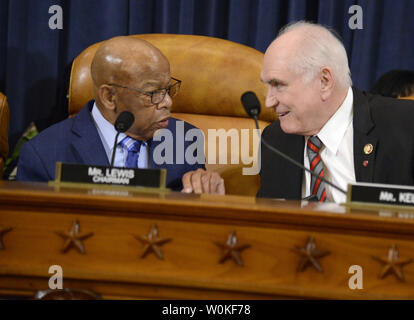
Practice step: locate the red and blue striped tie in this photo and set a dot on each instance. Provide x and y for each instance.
(317, 185)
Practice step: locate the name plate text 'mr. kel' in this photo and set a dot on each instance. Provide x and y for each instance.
(381, 194)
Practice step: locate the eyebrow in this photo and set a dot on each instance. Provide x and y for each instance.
(275, 82)
(154, 84)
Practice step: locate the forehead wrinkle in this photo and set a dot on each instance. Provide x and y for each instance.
(145, 75)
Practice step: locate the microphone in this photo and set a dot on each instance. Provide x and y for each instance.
(122, 124)
(251, 104)
(252, 107)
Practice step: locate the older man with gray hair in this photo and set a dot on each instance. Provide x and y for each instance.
(339, 132)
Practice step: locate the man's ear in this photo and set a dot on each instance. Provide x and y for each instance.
(107, 96)
(327, 82)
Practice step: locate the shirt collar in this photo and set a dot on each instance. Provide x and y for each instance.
(106, 128)
(334, 130)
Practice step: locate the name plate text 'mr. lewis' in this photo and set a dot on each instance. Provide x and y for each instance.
(81, 173)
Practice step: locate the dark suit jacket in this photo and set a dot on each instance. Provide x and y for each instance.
(386, 123)
(76, 140)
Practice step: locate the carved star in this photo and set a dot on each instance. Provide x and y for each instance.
(310, 255)
(152, 243)
(393, 264)
(2, 233)
(73, 237)
(231, 249)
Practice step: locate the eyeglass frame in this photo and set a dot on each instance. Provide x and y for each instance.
(151, 93)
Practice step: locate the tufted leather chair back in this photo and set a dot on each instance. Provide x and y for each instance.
(214, 74)
(4, 130)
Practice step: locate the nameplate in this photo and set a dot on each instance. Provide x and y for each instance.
(102, 175)
(381, 194)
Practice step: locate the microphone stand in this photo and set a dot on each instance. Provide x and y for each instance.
(113, 150)
(254, 116)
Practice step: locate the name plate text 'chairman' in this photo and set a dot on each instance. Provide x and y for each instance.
(90, 174)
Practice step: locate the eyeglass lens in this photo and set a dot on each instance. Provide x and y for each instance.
(158, 96)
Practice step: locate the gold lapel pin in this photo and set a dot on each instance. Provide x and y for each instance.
(368, 148)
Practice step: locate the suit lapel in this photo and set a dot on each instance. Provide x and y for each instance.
(296, 153)
(155, 143)
(86, 142)
(288, 177)
(365, 145)
(152, 145)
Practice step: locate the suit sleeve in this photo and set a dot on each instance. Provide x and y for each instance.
(30, 166)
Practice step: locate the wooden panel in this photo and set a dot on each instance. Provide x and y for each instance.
(112, 265)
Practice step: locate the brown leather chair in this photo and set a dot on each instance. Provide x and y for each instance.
(214, 74)
(4, 131)
(66, 294)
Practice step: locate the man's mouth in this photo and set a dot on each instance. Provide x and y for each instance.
(283, 114)
(163, 123)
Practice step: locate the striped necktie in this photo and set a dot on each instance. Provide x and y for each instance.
(132, 146)
(317, 185)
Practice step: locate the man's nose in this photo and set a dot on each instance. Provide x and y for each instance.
(271, 99)
(166, 102)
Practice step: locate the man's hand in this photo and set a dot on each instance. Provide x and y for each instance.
(202, 181)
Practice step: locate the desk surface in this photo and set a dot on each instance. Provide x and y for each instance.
(237, 209)
(274, 230)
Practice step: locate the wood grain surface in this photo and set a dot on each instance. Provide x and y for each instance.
(112, 265)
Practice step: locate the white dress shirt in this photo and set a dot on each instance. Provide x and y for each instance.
(107, 133)
(337, 153)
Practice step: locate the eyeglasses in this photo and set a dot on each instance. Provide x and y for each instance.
(157, 96)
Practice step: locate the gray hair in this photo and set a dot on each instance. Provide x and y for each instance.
(320, 47)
